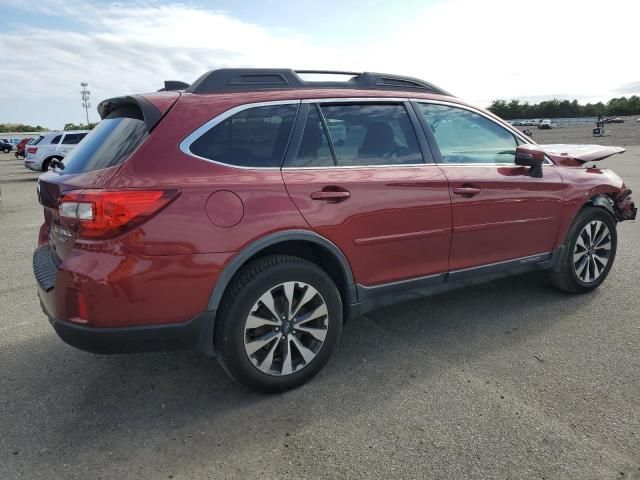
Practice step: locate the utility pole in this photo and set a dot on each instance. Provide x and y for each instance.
(86, 102)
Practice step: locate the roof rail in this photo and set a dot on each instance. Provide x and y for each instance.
(238, 79)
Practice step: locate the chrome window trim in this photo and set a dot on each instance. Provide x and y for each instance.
(487, 165)
(356, 100)
(395, 165)
(185, 144)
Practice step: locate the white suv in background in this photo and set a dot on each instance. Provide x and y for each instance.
(51, 146)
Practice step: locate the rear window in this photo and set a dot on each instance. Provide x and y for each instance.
(255, 137)
(110, 143)
(37, 140)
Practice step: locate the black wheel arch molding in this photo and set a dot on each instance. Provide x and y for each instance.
(263, 243)
(602, 200)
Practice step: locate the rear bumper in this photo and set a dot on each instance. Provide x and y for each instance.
(32, 165)
(196, 334)
(117, 320)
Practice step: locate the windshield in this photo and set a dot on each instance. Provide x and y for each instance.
(110, 143)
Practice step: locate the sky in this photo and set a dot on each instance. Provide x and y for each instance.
(478, 50)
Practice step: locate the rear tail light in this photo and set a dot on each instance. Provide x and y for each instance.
(101, 214)
(32, 149)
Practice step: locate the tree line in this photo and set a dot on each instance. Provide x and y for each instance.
(79, 126)
(20, 127)
(565, 108)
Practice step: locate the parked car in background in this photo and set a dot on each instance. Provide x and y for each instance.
(50, 147)
(614, 120)
(546, 125)
(226, 218)
(5, 145)
(20, 148)
(516, 123)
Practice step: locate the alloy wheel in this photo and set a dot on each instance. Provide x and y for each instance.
(286, 328)
(592, 251)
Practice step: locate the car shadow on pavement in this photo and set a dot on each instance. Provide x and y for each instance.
(62, 404)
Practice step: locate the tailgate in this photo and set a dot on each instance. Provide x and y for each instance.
(126, 123)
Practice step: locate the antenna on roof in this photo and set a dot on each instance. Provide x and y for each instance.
(172, 85)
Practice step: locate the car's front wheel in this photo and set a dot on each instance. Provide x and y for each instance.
(278, 324)
(589, 252)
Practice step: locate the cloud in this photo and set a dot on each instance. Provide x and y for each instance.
(505, 49)
(477, 50)
(121, 51)
(630, 88)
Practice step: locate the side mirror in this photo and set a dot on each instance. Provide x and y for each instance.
(531, 156)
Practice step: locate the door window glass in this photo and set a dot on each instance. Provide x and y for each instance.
(56, 140)
(467, 137)
(372, 134)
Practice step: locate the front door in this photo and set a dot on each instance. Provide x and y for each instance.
(359, 179)
(500, 212)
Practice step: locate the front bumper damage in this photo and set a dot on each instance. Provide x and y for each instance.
(623, 206)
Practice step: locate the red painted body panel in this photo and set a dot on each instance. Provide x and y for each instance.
(162, 100)
(583, 184)
(123, 288)
(395, 225)
(512, 216)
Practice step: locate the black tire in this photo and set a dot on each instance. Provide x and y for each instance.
(564, 276)
(250, 283)
(6, 150)
(47, 163)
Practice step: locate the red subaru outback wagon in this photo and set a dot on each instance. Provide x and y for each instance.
(248, 215)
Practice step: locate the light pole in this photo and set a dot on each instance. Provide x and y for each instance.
(86, 102)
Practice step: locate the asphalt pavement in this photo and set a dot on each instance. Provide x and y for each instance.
(508, 380)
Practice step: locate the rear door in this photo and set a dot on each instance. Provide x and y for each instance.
(356, 172)
(500, 212)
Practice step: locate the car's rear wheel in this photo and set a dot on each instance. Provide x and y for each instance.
(589, 252)
(278, 324)
(47, 163)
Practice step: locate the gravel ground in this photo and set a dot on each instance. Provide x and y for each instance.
(507, 380)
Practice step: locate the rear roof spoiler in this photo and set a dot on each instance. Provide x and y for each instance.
(150, 113)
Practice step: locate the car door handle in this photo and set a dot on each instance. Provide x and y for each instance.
(466, 191)
(331, 196)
